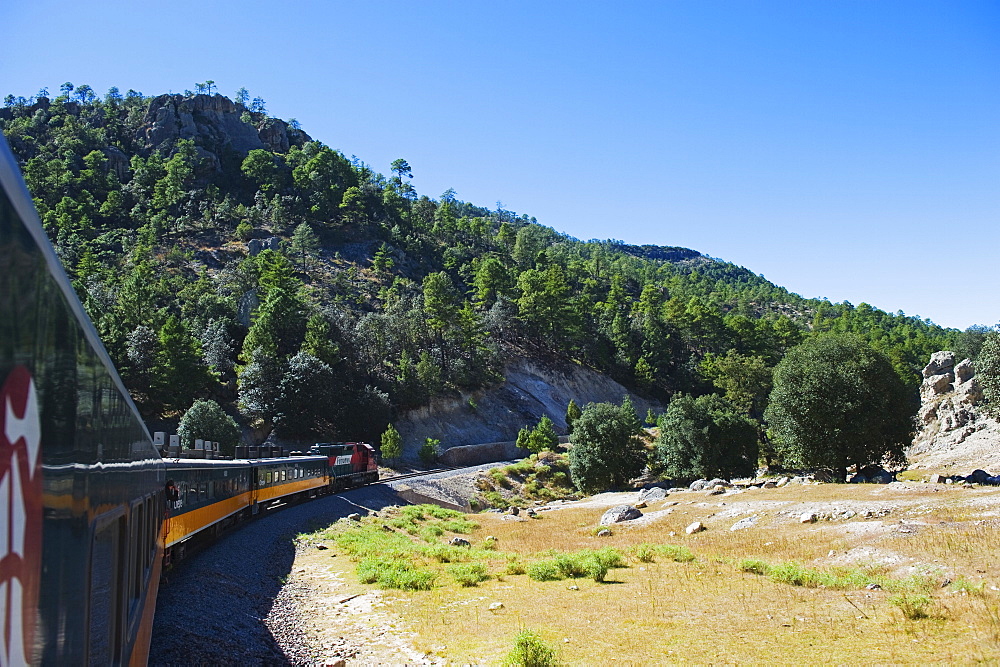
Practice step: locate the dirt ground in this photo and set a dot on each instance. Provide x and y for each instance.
(347, 621)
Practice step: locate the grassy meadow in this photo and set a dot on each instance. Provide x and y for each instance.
(919, 585)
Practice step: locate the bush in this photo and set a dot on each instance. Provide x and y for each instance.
(913, 605)
(544, 570)
(530, 650)
(468, 574)
(394, 573)
(429, 451)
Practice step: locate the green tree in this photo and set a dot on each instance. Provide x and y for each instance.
(429, 451)
(572, 414)
(307, 404)
(541, 438)
(705, 437)
(178, 373)
(401, 168)
(745, 379)
(606, 451)
(205, 420)
(392, 444)
(304, 244)
(988, 372)
(260, 169)
(837, 401)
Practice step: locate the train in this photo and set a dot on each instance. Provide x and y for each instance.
(90, 510)
(206, 496)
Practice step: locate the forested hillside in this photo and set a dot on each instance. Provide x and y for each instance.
(225, 254)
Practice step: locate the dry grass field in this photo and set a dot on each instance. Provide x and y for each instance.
(905, 573)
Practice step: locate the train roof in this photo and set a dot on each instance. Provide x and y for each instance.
(238, 463)
(17, 193)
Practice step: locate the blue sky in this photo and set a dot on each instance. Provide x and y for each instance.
(847, 150)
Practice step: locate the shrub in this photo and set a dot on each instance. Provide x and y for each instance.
(394, 573)
(530, 650)
(544, 570)
(644, 553)
(754, 566)
(676, 553)
(429, 451)
(468, 574)
(913, 605)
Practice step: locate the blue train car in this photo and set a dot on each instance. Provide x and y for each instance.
(81, 486)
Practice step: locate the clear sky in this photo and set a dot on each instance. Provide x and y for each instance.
(847, 150)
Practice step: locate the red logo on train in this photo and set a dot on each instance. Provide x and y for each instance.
(20, 516)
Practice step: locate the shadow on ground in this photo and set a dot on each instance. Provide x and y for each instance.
(211, 607)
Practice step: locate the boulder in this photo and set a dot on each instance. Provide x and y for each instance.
(514, 510)
(354, 517)
(940, 363)
(459, 542)
(808, 517)
(876, 474)
(620, 513)
(964, 371)
(695, 527)
(858, 479)
(937, 384)
(604, 533)
(649, 495)
(718, 482)
(936, 478)
(698, 485)
(769, 485)
(782, 481)
(496, 606)
(745, 522)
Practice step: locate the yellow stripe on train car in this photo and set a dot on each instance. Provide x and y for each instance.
(187, 524)
(288, 488)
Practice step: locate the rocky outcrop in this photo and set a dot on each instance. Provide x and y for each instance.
(531, 389)
(954, 432)
(216, 124)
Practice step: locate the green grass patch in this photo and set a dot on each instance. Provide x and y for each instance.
(576, 565)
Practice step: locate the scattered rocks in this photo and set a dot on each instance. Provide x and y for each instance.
(620, 513)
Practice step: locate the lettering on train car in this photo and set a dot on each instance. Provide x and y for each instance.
(21, 516)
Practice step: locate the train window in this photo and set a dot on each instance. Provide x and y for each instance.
(282, 475)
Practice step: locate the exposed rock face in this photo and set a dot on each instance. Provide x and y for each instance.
(531, 389)
(954, 433)
(214, 123)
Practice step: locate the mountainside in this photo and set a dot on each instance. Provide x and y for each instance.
(225, 254)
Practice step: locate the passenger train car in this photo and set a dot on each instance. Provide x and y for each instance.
(206, 496)
(81, 486)
(89, 511)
